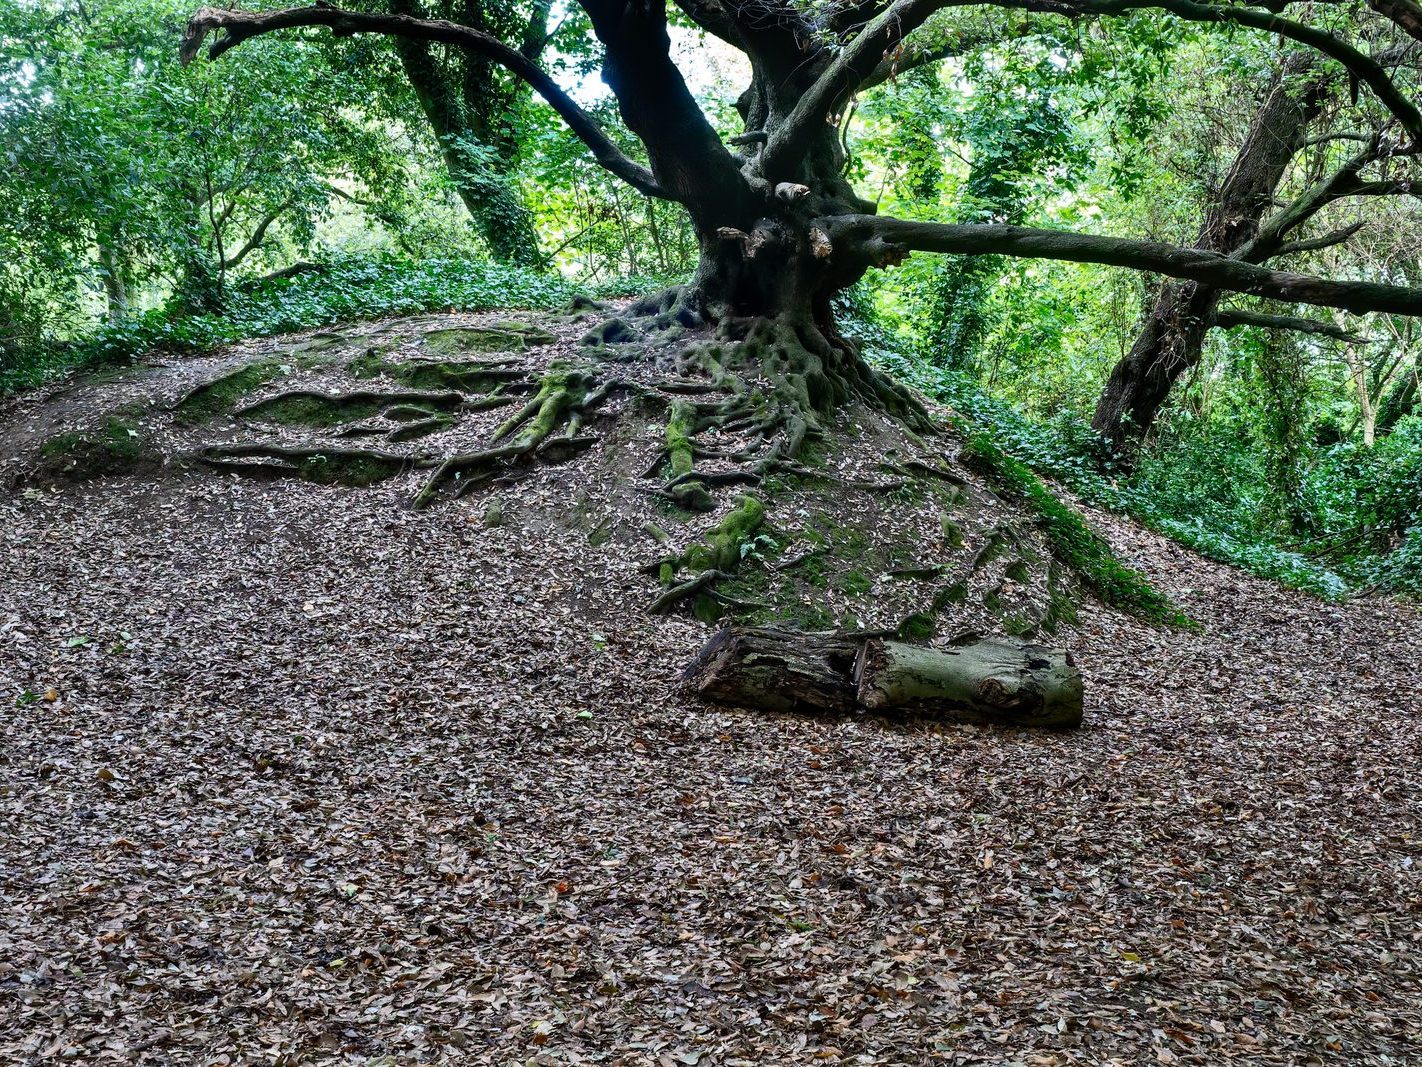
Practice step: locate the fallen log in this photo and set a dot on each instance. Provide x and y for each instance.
(997, 680)
(993, 680)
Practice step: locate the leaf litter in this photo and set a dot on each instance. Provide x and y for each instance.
(293, 774)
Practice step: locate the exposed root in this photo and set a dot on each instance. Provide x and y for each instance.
(463, 375)
(677, 593)
(332, 409)
(324, 464)
(411, 431)
(849, 483)
(715, 556)
(780, 381)
(545, 428)
(505, 336)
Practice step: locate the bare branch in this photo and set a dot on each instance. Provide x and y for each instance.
(233, 27)
(1232, 318)
(1313, 244)
(914, 54)
(887, 241)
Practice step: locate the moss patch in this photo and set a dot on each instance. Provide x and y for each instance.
(461, 340)
(356, 471)
(1072, 540)
(221, 395)
(118, 447)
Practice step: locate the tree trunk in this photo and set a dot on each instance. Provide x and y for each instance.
(1172, 337)
(486, 189)
(776, 670)
(1367, 410)
(1001, 681)
(114, 276)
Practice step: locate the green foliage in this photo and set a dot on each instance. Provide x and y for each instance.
(349, 290)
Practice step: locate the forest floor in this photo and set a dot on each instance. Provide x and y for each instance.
(291, 773)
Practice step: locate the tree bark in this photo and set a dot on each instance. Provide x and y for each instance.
(463, 113)
(996, 680)
(113, 272)
(1172, 337)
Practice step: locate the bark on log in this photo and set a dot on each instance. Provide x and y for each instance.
(776, 670)
(996, 680)
(1010, 683)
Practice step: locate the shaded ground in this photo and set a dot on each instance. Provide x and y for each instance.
(292, 773)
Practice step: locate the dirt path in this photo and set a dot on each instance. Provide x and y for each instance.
(291, 773)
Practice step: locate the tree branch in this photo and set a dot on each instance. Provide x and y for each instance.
(234, 27)
(915, 54)
(885, 241)
(255, 240)
(1342, 182)
(1313, 244)
(855, 62)
(1230, 319)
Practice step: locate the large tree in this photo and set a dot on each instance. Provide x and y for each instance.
(1251, 216)
(780, 228)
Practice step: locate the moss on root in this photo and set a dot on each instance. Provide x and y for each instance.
(222, 394)
(1074, 543)
(545, 428)
(323, 465)
(505, 335)
(463, 375)
(310, 408)
(417, 428)
(685, 490)
(721, 548)
(717, 555)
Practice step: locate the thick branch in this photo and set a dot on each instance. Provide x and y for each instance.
(856, 61)
(238, 26)
(1229, 320)
(687, 155)
(886, 240)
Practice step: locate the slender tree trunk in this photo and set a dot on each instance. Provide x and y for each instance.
(114, 274)
(1173, 333)
(1358, 370)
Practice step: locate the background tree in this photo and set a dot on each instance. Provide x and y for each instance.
(476, 111)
